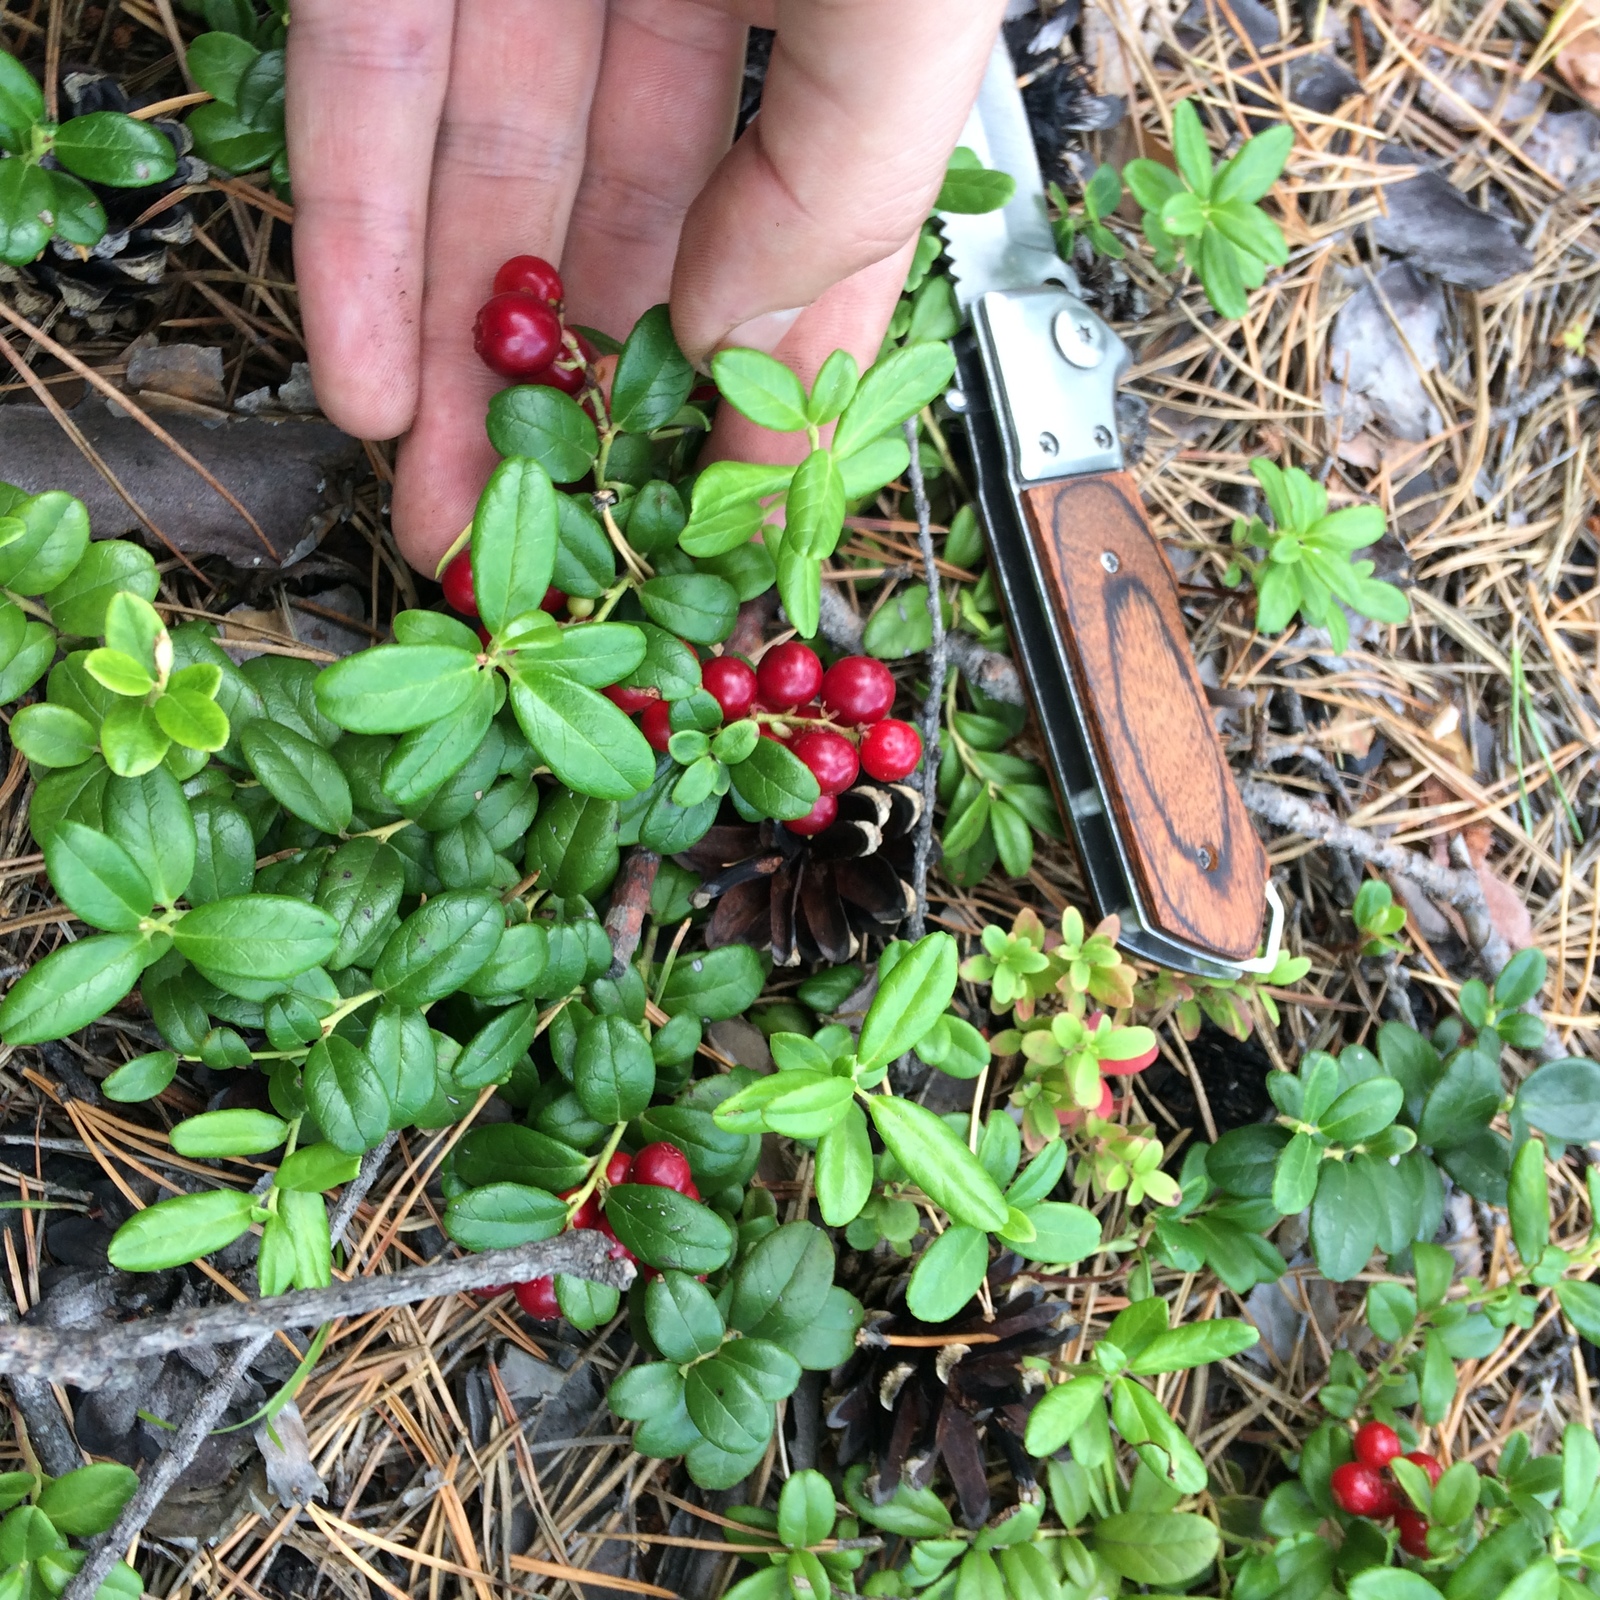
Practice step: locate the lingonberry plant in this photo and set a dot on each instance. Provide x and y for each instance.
(1308, 566)
(42, 1515)
(38, 202)
(374, 893)
(375, 884)
(1208, 215)
(239, 62)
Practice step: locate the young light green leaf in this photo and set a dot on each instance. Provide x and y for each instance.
(143, 1078)
(183, 1229)
(949, 1273)
(895, 388)
(762, 389)
(239, 1132)
(815, 507)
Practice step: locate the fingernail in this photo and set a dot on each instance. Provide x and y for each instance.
(764, 333)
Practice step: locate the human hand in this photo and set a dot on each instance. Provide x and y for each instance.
(431, 141)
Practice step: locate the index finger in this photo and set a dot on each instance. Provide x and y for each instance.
(366, 85)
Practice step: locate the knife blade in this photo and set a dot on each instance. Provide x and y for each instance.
(1140, 774)
(1013, 248)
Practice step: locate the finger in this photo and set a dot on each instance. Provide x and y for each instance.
(663, 117)
(852, 316)
(366, 82)
(863, 103)
(509, 158)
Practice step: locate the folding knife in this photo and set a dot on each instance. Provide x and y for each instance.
(1162, 834)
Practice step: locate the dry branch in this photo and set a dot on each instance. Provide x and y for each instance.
(89, 1360)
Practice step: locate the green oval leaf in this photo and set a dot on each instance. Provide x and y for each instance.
(180, 1230)
(938, 1162)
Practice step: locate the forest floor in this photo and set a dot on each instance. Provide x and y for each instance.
(1433, 355)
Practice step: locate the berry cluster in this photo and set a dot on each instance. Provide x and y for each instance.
(520, 333)
(662, 1165)
(790, 686)
(855, 692)
(1365, 1488)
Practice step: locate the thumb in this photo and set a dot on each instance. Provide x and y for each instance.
(862, 106)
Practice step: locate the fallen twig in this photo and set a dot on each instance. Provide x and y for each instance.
(630, 904)
(210, 1405)
(1459, 887)
(90, 1359)
(933, 704)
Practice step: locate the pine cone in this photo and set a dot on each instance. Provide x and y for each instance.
(905, 1407)
(816, 898)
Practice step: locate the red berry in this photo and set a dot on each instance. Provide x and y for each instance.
(517, 335)
(457, 585)
(569, 380)
(485, 638)
(490, 1291)
(665, 1166)
(553, 600)
(1377, 1444)
(820, 816)
(618, 1251)
(890, 750)
(831, 758)
(618, 1167)
(538, 1298)
(789, 675)
(632, 701)
(1358, 1489)
(588, 1214)
(731, 683)
(531, 275)
(655, 724)
(1413, 1528)
(858, 690)
(1432, 1465)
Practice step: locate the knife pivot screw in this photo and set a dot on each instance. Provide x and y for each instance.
(955, 401)
(1049, 445)
(1108, 560)
(1102, 436)
(1078, 337)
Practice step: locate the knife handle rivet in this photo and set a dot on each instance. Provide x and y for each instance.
(1203, 856)
(955, 401)
(1108, 560)
(1048, 444)
(1102, 437)
(1077, 338)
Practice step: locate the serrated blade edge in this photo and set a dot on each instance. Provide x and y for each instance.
(1012, 248)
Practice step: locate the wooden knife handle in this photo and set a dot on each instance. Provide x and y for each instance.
(1199, 866)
